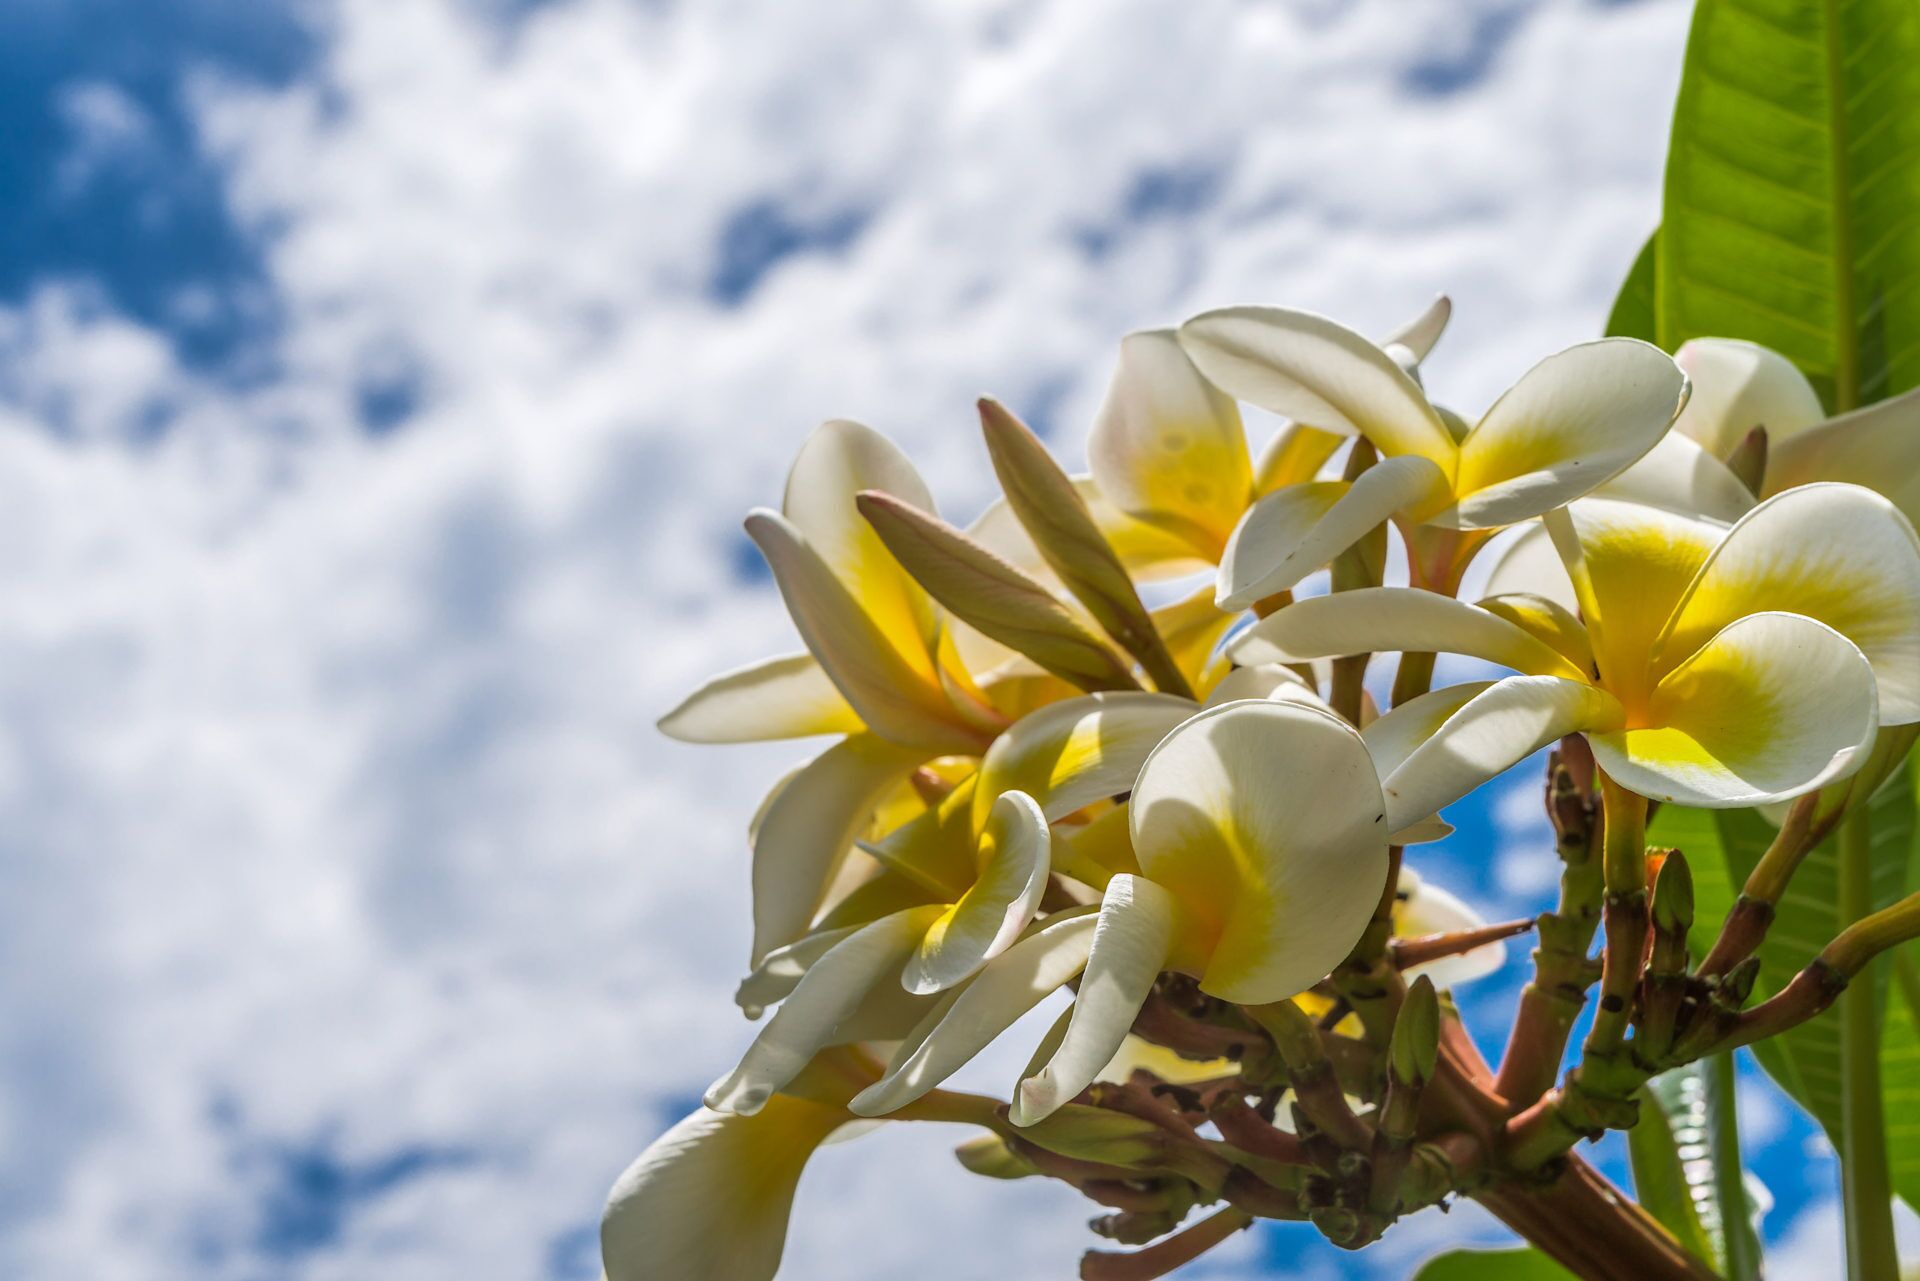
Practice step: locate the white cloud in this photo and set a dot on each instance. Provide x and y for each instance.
(336, 828)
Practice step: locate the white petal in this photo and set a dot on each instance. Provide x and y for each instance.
(1016, 859)
(1307, 368)
(809, 826)
(1526, 562)
(1878, 446)
(1268, 680)
(1130, 945)
(1292, 532)
(837, 461)
(1265, 822)
(1677, 475)
(1395, 735)
(895, 692)
(1420, 334)
(1574, 420)
(967, 1020)
(1498, 728)
(1077, 751)
(1837, 553)
(781, 970)
(785, 697)
(1167, 447)
(811, 1019)
(1738, 386)
(709, 1199)
(1772, 706)
(1389, 619)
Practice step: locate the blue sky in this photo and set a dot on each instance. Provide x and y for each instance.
(381, 385)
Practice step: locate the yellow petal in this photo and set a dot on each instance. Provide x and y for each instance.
(1574, 420)
(1294, 456)
(966, 1020)
(1387, 619)
(899, 699)
(1191, 628)
(1522, 561)
(709, 1199)
(809, 826)
(1772, 706)
(1498, 728)
(1878, 447)
(1738, 386)
(1131, 942)
(1075, 752)
(1292, 532)
(1265, 822)
(1169, 449)
(785, 697)
(1015, 853)
(1837, 553)
(1630, 566)
(837, 461)
(1307, 368)
(812, 1017)
(1547, 619)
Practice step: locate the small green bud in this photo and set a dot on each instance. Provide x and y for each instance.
(989, 1155)
(1737, 984)
(1416, 1034)
(1099, 1135)
(1673, 895)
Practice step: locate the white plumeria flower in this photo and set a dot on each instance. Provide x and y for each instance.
(1424, 908)
(709, 1200)
(1576, 419)
(1712, 666)
(1261, 839)
(1739, 386)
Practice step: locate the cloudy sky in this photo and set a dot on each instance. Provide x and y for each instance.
(381, 385)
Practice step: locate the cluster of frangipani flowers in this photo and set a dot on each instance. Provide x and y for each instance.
(1041, 783)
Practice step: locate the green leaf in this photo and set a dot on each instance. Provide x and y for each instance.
(1633, 307)
(1791, 179)
(1673, 1119)
(1806, 1061)
(1524, 1264)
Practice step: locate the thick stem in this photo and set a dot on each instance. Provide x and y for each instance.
(1866, 1185)
(1591, 1228)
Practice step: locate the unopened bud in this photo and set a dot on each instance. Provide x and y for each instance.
(1673, 895)
(1416, 1034)
(1737, 984)
(989, 1155)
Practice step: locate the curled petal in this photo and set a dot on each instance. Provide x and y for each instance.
(1130, 946)
(1420, 334)
(1292, 532)
(1738, 386)
(1307, 368)
(837, 461)
(829, 995)
(1077, 751)
(1572, 421)
(1498, 728)
(709, 1199)
(785, 697)
(1265, 822)
(807, 828)
(1016, 853)
(1837, 553)
(781, 970)
(1386, 619)
(895, 689)
(1772, 706)
(967, 1019)
(1167, 447)
(1547, 619)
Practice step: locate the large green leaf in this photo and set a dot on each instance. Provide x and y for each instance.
(1524, 1264)
(1792, 178)
(1722, 849)
(1633, 313)
(1672, 1165)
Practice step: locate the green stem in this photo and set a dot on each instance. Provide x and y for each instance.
(1866, 1185)
(1729, 1182)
